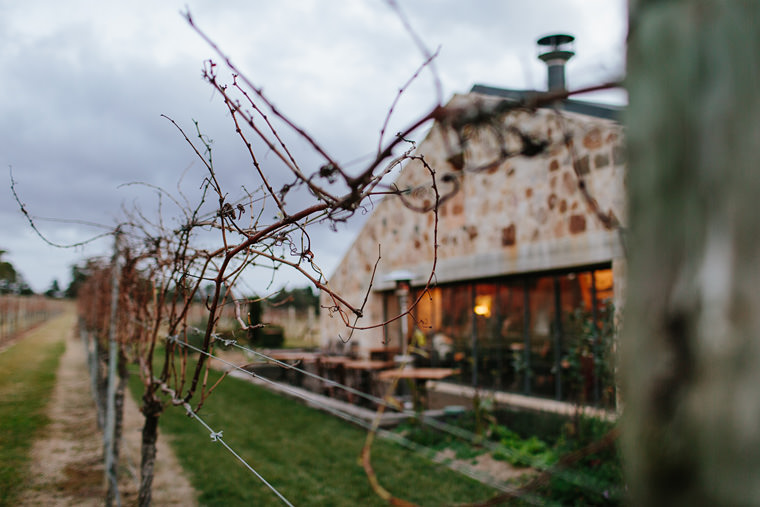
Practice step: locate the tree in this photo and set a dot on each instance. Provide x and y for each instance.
(300, 298)
(79, 275)
(691, 334)
(8, 275)
(54, 291)
(24, 289)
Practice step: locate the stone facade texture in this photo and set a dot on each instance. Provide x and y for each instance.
(521, 214)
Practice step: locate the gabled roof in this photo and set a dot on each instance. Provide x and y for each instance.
(594, 109)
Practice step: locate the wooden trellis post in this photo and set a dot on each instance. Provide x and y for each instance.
(691, 337)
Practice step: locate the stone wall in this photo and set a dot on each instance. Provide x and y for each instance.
(519, 215)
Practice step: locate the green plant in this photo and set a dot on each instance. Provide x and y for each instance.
(603, 479)
(522, 452)
(545, 425)
(589, 352)
(300, 298)
(602, 471)
(540, 441)
(521, 365)
(483, 410)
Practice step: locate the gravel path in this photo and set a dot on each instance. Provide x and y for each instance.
(67, 465)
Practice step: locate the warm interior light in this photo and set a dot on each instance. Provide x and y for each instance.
(482, 306)
(603, 279)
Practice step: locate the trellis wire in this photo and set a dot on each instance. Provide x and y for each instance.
(329, 382)
(427, 452)
(466, 435)
(216, 436)
(420, 449)
(567, 475)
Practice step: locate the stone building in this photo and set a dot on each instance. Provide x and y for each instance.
(526, 273)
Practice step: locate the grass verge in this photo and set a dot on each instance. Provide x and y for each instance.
(27, 376)
(310, 457)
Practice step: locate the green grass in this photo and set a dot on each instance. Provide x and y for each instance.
(27, 377)
(309, 456)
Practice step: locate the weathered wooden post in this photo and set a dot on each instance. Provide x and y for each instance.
(691, 339)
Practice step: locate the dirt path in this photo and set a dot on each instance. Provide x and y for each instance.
(67, 465)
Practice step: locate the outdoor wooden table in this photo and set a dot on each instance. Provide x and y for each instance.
(368, 364)
(419, 376)
(334, 360)
(364, 372)
(418, 373)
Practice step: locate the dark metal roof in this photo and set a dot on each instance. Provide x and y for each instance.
(594, 109)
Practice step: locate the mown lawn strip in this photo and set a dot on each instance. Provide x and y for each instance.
(27, 376)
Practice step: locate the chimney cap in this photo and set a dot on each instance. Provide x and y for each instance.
(555, 40)
(556, 47)
(555, 50)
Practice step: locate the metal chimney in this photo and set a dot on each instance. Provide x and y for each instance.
(555, 51)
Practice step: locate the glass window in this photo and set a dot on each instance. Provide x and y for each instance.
(542, 328)
(487, 345)
(604, 350)
(577, 363)
(392, 330)
(426, 316)
(425, 325)
(456, 325)
(539, 334)
(510, 334)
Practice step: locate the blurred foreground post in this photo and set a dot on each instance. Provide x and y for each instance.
(691, 343)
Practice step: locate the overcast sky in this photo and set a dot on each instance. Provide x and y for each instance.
(85, 83)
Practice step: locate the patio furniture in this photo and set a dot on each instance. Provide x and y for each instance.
(364, 371)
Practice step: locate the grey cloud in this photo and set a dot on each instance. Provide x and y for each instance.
(80, 113)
